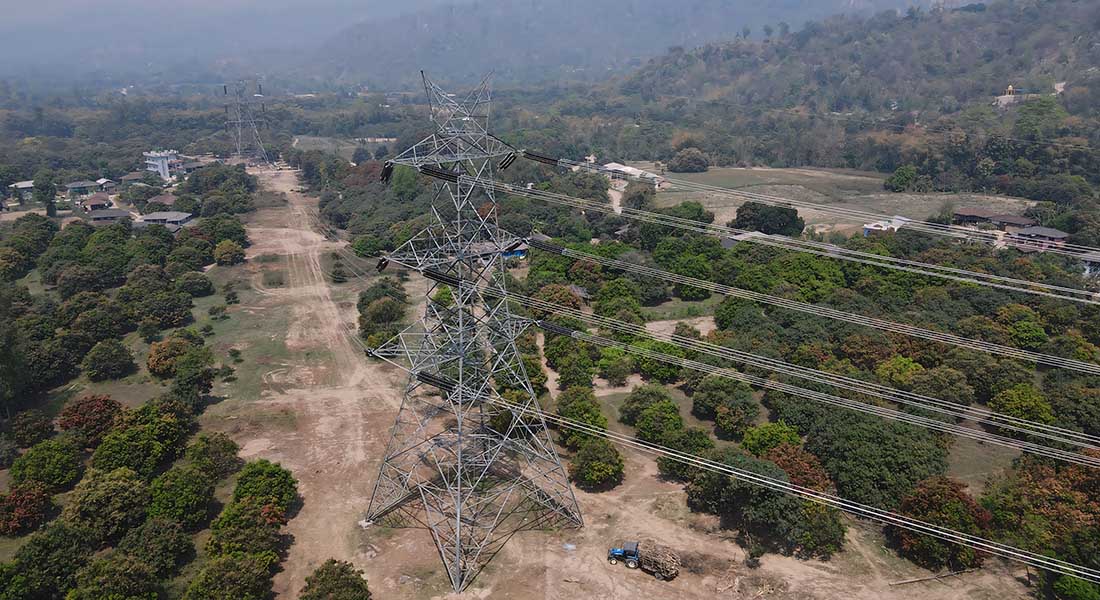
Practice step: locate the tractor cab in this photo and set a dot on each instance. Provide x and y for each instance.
(626, 552)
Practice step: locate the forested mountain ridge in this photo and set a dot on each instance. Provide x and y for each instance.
(527, 40)
(924, 60)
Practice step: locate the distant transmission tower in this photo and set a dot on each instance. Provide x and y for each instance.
(470, 471)
(241, 120)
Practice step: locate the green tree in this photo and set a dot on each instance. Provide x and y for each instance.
(233, 577)
(108, 359)
(1023, 401)
(47, 564)
(581, 407)
(117, 575)
(45, 191)
(689, 160)
(761, 439)
(214, 454)
(195, 285)
(656, 369)
(714, 391)
(898, 372)
(269, 482)
(659, 422)
(754, 216)
(228, 252)
(248, 526)
(161, 543)
(182, 494)
(335, 580)
(641, 398)
(597, 465)
(53, 463)
(108, 503)
(903, 179)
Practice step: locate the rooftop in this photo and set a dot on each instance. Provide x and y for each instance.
(80, 184)
(97, 198)
(973, 212)
(23, 185)
(1013, 220)
(165, 199)
(109, 213)
(103, 180)
(136, 175)
(167, 215)
(1047, 232)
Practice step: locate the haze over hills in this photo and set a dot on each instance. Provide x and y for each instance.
(389, 42)
(530, 40)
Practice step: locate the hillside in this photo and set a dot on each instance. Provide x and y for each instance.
(527, 40)
(930, 61)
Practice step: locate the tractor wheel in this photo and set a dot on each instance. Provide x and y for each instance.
(632, 564)
(612, 561)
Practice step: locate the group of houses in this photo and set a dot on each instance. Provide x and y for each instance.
(96, 200)
(1023, 233)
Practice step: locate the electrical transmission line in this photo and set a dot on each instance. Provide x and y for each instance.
(800, 245)
(470, 471)
(242, 122)
(823, 311)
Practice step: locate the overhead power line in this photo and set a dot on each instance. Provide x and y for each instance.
(799, 245)
(825, 311)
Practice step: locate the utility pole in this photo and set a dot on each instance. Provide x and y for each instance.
(241, 120)
(458, 463)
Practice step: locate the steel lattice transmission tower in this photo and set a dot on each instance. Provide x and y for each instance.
(241, 120)
(470, 471)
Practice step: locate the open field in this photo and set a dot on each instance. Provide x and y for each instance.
(841, 188)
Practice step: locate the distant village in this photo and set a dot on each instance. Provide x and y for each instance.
(99, 202)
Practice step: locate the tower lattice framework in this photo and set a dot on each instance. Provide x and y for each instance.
(242, 121)
(469, 470)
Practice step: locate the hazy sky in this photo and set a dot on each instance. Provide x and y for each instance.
(84, 35)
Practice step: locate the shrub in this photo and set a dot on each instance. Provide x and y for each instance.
(215, 454)
(53, 463)
(108, 503)
(228, 252)
(236, 577)
(24, 508)
(117, 575)
(162, 543)
(90, 418)
(108, 359)
(30, 427)
(763, 438)
(268, 482)
(335, 580)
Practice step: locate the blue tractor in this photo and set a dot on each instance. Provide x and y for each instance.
(626, 552)
(660, 561)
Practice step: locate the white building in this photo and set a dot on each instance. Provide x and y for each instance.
(621, 171)
(165, 163)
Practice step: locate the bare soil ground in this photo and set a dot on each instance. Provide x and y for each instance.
(322, 410)
(834, 187)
